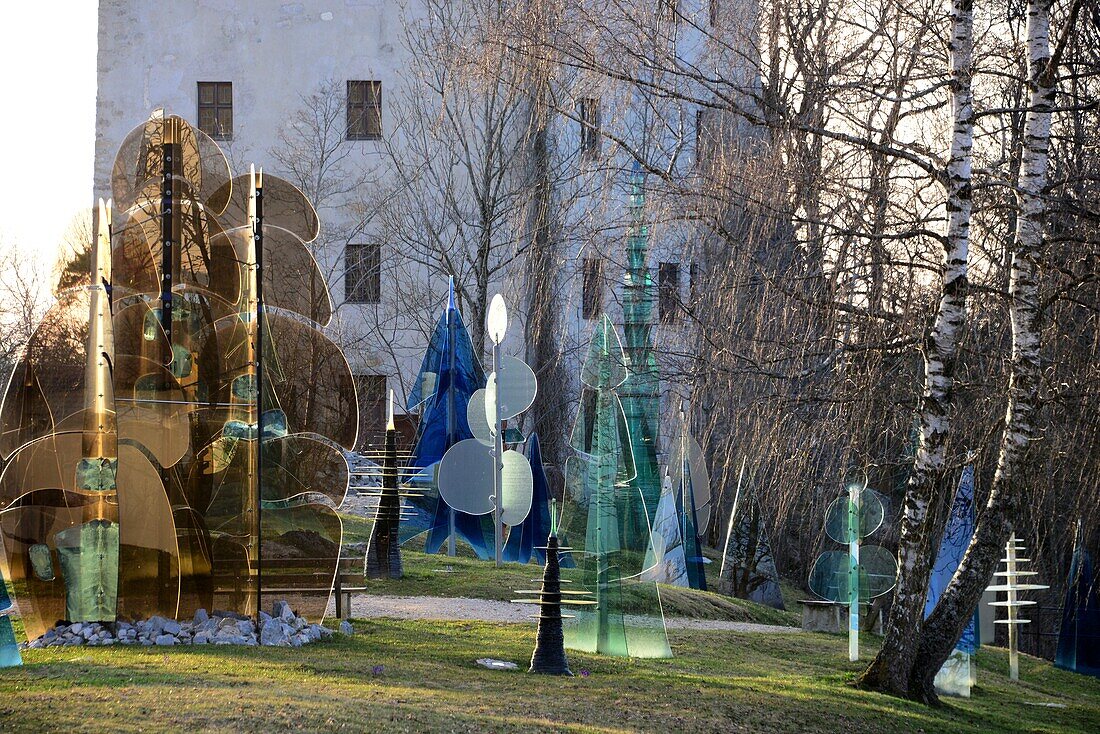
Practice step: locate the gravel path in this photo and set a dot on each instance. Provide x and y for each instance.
(484, 610)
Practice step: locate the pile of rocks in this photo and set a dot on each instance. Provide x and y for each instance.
(283, 628)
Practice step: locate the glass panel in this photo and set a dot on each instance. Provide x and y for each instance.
(830, 575)
(224, 117)
(284, 206)
(466, 477)
(870, 516)
(516, 488)
(292, 279)
(301, 553)
(748, 566)
(35, 521)
(477, 416)
(201, 162)
(225, 93)
(206, 93)
(297, 465)
(310, 380)
(47, 386)
(528, 539)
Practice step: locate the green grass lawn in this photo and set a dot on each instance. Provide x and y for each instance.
(718, 682)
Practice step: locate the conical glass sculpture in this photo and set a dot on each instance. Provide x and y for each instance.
(605, 510)
(748, 566)
(1079, 635)
(449, 374)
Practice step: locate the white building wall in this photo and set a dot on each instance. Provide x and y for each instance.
(153, 54)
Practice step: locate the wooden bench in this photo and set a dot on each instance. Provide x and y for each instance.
(350, 575)
(286, 576)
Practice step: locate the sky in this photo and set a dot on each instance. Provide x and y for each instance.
(47, 127)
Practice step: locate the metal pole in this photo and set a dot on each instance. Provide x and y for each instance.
(258, 235)
(1013, 644)
(451, 419)
(853, 571)
(498, 458)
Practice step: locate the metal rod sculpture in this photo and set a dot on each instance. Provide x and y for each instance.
(1012, 603)
(158, 461)
(859, 574)
(384, 545)
(496, 326)
(477, 476)
(604, 508)
(1079, 634)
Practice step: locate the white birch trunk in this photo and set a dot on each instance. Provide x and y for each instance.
(890, 669)
(962, 594)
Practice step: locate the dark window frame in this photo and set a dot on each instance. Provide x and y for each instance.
(363, 273)
(589, 112)
(668, 292)
(591, 288)
(364, 102)
(212, 114)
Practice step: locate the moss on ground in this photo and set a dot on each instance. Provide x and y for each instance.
(428, 681)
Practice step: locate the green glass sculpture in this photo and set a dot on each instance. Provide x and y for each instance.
(859, 574)
(609, 513)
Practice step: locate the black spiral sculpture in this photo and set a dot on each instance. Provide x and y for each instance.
(549, 655)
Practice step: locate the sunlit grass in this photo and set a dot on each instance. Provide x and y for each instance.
(429, 681)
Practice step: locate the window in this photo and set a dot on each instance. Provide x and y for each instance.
(704, 135)
(592, 289)
(363, 273)
(216, 109)
(668, 292)
(364, 110)
(715, 7)
(371, 391)
(588, 110)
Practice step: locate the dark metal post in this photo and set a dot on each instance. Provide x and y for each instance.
(258, 235)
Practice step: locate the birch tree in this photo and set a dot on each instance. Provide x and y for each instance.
(890, 669)
(1019, 427)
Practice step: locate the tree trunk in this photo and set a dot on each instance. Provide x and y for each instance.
(963, 593)
(889, 671)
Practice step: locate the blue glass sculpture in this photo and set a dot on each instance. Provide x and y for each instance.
(521, 547)
(1079, 635)
(957, 674)
(449, 374)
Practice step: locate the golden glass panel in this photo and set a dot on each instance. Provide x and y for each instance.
(297, 465)
(201, 161)
(284, 206)
(202, 258)
(292, 279)
(301, 552)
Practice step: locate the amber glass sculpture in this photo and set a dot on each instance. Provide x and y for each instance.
(175, 430)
